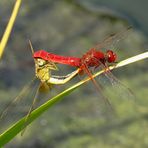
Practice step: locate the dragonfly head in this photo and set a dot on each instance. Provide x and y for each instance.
(43, 69)
(40, 63)
(111, 56)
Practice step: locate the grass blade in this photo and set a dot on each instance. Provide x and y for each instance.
(9, 27)
(18, 126)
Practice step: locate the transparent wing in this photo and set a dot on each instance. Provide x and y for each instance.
(105, 104)
(31, 108)
(19, 107)
(113, 39)
(121, 96)
(20, 96)
(116, 82)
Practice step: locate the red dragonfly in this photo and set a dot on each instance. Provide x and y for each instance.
(94, 58)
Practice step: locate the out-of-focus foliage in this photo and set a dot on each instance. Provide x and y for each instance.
(63, 27)
(137, 15)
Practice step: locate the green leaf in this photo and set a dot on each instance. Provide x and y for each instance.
(21, 124)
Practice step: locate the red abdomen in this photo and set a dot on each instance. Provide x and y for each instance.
(72, 61)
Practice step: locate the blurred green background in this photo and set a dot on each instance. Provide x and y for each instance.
(69, 27)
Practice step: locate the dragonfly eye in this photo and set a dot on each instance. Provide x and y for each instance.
(41, 62)
(111, 56)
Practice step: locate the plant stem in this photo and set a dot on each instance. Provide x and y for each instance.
(9, 27)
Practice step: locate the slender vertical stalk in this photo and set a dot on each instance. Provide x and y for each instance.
(9, 27)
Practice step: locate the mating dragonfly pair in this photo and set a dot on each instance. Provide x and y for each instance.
(94, 58)
(45, 62)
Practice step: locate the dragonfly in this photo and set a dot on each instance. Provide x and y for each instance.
(95, 57)
(45, 62)
(43, 73)
(92, 58)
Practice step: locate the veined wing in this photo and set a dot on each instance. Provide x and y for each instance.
(113, 39)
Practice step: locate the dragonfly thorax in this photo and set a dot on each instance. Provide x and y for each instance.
(42, 70)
